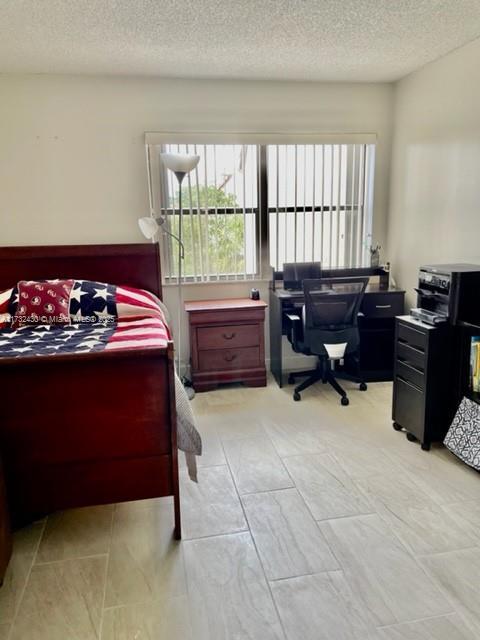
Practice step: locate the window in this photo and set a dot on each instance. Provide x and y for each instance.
(320, 203)
(289, 203)
(220, 211)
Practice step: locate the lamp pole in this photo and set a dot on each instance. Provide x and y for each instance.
(180, 176)
(180, 164)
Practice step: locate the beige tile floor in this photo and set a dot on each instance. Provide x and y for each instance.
(311, 521)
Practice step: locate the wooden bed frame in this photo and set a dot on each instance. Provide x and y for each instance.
(94, 428)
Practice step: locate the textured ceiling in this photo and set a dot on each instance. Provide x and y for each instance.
(330, 40)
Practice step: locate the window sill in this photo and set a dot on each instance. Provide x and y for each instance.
(252, 282)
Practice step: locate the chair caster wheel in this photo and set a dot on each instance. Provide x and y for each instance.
(411, 437)
(291, 378)
(363, 386)
(396, 426)
(296, 396)
(425, 446)
(345, 401)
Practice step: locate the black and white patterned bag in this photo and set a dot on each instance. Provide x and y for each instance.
(463, 437)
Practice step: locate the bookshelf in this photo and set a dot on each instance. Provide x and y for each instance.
(469, 351)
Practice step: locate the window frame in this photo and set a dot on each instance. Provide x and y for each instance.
(262, 211)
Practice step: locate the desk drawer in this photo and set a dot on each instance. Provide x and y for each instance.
(410, 374)
(412, 337)
(229, 359)
(228, 336)
(382, 305)
(411, 356)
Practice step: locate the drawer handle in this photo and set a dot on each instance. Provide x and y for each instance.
(383, 306)
(230, 357)
(229, 336)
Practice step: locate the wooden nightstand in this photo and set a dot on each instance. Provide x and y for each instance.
(227, 342)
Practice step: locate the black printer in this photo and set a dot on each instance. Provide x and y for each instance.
(448, 292)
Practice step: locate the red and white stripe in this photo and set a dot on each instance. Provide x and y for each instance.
(136, 303)
(135, 334)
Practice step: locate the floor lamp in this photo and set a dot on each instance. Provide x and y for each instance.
(180, 164)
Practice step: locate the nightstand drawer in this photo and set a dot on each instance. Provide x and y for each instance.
(224, 359)
(228, 336)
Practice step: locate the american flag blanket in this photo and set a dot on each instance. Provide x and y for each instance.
(101, 317)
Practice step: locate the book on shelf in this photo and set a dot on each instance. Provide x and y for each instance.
(475, 364)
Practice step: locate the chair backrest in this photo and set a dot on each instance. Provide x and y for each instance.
(331, 311)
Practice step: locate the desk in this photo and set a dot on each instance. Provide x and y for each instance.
(376, 324)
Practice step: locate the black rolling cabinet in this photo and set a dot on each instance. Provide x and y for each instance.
(376, 325)
(424, 398)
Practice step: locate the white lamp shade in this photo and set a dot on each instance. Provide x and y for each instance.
(148, 226)
(180, 162)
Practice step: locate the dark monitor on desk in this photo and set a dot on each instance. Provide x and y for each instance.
(294, 273)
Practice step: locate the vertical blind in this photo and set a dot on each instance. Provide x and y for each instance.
(219, 212)
(288, 202)
(320, 201)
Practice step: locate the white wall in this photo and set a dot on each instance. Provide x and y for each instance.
(435, 184)
(72, 163)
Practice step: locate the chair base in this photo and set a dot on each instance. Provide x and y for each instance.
(324, 374)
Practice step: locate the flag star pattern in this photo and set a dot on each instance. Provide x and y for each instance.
(103, 317)
(92, 302)
(36, 341)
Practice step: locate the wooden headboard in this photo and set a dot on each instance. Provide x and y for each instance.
(136, 265)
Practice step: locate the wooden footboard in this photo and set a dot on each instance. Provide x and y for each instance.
(84, 429)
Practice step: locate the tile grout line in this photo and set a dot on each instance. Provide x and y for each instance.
(342, 466)
(250, 531)
(441, 589)
(276, 453)
(262, 566)
(107, 564)
(70, 558)
(27, 579)
(407, 549)
(416, 561)
(256, 549)
(441, 553)
(436, 617)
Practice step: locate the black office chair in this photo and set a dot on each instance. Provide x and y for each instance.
(328, 329)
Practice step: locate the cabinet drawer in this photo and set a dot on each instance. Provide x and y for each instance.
(408, 408)
(225, 359)
(228, 336)
(410, 374)
(411, 336)
(382, 305)
(411, 356)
